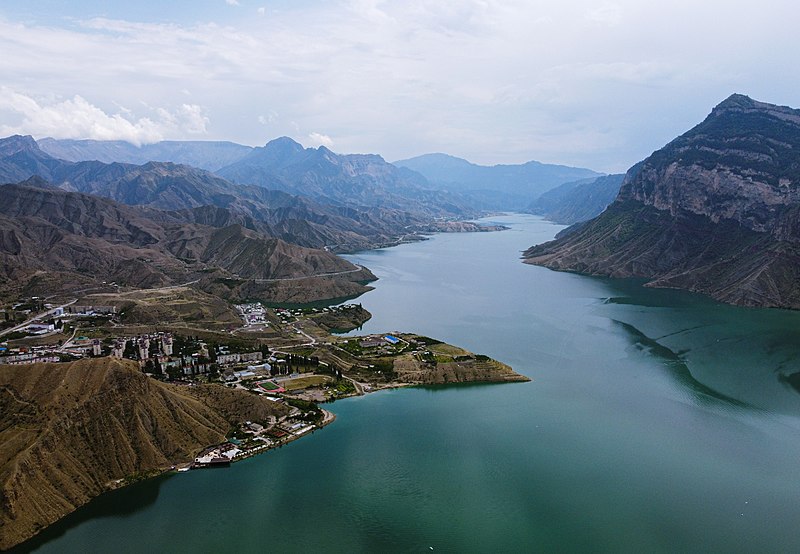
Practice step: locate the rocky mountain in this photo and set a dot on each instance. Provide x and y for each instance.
(577, 201)
(498, 187)
(194, 194)
(70, 431)
(209, 155)
(77, 239)
(342, 179)
(716, 211)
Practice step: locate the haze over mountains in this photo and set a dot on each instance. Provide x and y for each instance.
(209, 155)
(181, 188)
(577, 201)
(731, 181)
(498, 187)
(351, 179)
(68, 225)
(717, 211)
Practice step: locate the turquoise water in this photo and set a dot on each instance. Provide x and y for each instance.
(657, 421)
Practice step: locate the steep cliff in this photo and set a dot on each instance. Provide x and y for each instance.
(715, 211)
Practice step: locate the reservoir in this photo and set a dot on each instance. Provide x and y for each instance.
(656, 421)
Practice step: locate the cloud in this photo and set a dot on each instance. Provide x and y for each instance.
(232, 2)
(270, 117)
(318, 139)
(608, 14)
(494, 81)
(262, 10)
(77, 118)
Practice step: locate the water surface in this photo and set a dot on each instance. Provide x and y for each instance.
(657, 421)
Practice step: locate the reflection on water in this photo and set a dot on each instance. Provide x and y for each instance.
(676, 366)
(118, 503)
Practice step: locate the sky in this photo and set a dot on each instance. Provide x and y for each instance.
(597, 84)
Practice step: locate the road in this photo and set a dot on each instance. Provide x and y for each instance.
(34, 318)
(356, 270)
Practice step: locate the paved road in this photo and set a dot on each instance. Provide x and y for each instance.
(34, 318)
(356, 270)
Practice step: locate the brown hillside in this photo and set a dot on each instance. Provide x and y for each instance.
(69, 432)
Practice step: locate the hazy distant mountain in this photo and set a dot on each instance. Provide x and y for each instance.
(497, 187)
(210, 155)
(183, 189)
(344, 179)
(578, 201)
(79, 238)
(717, 210)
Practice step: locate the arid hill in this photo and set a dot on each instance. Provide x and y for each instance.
(69, 432)
(82, 239)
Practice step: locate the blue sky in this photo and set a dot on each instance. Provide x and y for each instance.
(598, 84)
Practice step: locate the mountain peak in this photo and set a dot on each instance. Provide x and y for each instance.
(284, 144)
(740, 103)
(17, 143)
(736, 100)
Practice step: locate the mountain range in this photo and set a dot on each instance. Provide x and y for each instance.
(79, 239)
(342, 179)
(200, 196)
(716, 211)
(209, 155)
(577, 201)
(497, 187)
(439, 184)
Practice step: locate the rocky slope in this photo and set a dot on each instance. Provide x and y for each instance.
(83, 238)
(716, 211)
(69, 432)
(578, 201)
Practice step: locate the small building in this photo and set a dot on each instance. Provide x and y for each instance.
(251, 357)
(119, 348)
(144, 348)
(166, 344)
(224, 359)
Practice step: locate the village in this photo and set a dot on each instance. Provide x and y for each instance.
(288, 355)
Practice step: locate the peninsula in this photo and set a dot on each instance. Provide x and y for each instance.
(226, 382)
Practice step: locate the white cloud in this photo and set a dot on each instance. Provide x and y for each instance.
(599, 83)
(317, 139)
(270, 117)
(262, 10)
(232, 2)
(78, 118)
(608, 14)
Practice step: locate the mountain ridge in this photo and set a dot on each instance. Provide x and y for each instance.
(501, 186)
(715, 211)
(84, 238)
